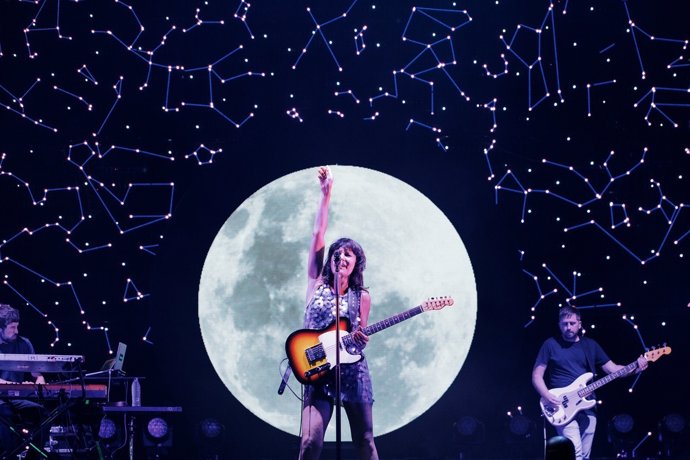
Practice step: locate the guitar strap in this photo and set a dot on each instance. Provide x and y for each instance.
(587, 348)
(353, 305)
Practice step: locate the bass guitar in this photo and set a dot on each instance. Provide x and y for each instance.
(311, 352)
(573, 398)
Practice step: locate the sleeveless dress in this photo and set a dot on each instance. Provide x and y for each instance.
(355, 381)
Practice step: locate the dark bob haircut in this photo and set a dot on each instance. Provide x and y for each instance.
(356, 280)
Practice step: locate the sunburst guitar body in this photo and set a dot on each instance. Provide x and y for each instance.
(312, 352)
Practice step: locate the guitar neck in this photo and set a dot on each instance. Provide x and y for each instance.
(589, 389)
(393, 320)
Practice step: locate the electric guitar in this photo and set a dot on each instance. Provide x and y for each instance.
(573, 398)
(311, 352)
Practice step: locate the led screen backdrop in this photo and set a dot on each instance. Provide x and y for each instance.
(553, 136)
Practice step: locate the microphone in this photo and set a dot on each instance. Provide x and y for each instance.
(336, 259)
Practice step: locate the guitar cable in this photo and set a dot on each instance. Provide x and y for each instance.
(543, 420)
(283, 384)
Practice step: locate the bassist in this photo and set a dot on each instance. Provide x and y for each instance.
(561, 360)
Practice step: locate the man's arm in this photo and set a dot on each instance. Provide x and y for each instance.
(38, 377)
(540, 385)
(610, 366)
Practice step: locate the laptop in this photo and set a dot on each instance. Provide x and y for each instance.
(112, 365)
(115, 364)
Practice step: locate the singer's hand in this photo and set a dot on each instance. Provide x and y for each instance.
(326, 179)
(360, 338)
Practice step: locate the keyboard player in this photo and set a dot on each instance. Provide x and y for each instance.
(11, 409)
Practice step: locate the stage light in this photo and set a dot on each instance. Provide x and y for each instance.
(467, 426)
(622, 423)
(157, 437)
(469, 435)
(674, 423)
(157, 428)
(519, 436)
(211, 429)
(673, 435)
(107, 430)
(210, 438)
(110, 434)
(621, 435)
(520, 425)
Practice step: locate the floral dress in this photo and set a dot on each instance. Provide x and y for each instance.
(355, 381)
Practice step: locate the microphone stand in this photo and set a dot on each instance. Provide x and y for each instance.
(336, 260)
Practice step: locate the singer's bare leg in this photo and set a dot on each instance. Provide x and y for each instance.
(315, 417)
(362, 429)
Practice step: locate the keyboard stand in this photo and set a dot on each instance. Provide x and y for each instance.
(64, 404)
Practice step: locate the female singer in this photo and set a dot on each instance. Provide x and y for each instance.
(356, 392)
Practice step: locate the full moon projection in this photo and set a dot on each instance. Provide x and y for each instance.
(253, 286)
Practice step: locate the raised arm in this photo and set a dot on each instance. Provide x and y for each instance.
(318, 245)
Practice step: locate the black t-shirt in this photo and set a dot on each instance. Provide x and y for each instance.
(20, 346)
(565, 361)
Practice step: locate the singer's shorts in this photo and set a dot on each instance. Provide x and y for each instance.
(355, 385)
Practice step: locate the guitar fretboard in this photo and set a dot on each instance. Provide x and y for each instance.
(589, 389)
(393, 320)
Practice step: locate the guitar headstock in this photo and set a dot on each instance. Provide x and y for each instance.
(436, 303)
(656, 353)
